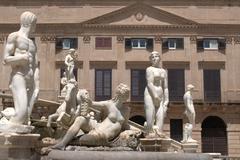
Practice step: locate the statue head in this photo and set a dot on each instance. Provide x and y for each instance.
(122, 92)
(190, 87)
(28, 19)
(155, 58)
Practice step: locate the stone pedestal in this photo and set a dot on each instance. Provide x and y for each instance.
(155, 144)
(18, 146)
(190, 147)
(131, 155)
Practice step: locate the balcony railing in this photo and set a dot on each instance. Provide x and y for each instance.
(212, 96)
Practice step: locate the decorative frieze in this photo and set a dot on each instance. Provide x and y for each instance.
(193, 39)
(120, 39)
(158, 39)
(229, 40)
(86, 39)
(237, 40)
(50, 38)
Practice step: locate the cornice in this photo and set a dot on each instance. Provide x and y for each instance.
(118, 3)
(89, 29)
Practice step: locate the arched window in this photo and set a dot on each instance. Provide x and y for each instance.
(214, 136)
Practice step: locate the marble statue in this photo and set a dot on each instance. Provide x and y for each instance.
(190, 113)
(104, 131)
(83, 122)
(156, 97)
(20, 54)
(69, 62)
(69, 104)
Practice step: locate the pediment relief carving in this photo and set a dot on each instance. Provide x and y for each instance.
(139, 14)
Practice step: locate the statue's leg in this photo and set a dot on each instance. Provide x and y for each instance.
(30, 100)
(72, 131)
(149, 112)
(160, 117)
(19, 91)
(71, 75)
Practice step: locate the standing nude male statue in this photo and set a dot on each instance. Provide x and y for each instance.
(20, 54)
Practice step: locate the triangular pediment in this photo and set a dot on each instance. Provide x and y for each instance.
(140, 14)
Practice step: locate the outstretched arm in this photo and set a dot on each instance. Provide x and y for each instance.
(99, 104)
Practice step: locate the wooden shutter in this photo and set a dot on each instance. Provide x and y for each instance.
(165, 45)
(128, 43)
(199, 45)
(150, 44)
(179, 43)
(221, 44)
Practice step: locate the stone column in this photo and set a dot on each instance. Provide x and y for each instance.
(123, 75)
(48, 82)
(84, 49)
(233, 136)
(228, 74)
(196, 74)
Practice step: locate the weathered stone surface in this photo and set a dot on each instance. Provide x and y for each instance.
(18, 146)
(97, 155)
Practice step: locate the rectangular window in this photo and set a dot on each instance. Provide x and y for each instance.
(176, 84)
(66, 43)
(176, 129)
(138, 84)
(139, 43)
(210, 44)
(172, 43)
(103, 42)
(103, 84)
(212, 85)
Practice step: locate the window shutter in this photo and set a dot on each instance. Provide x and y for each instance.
(58, 43)
(199, 45)
(221, 44)
(150, 44)
(128, 43)
(180, 43)
(165, 44)
(74, 43)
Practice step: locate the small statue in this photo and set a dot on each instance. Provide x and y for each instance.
(69, 61)
(190, 113)
(20, 54)
(155, 97)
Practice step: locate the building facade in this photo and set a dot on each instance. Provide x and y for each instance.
(199, 43)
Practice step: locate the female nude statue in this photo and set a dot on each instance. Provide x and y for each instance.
(108, 129)
(20, 54)
(190, 113)
(69, 61)
(155, 96)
